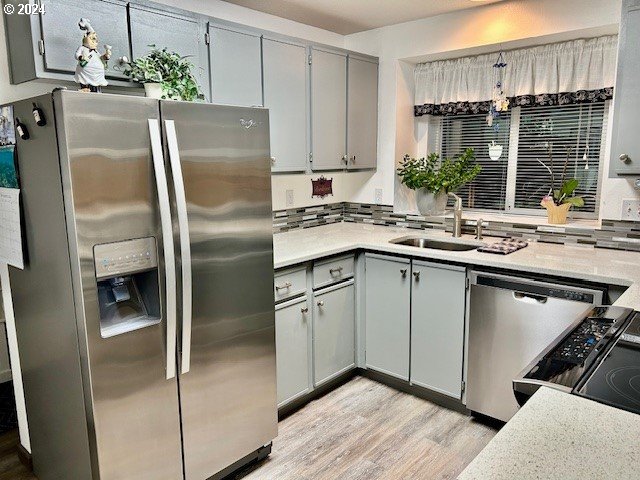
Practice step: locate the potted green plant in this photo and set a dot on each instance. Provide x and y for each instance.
(433, 179)
(164, 74)
(559, 200)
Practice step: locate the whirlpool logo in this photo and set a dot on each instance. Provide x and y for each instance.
(249, 123)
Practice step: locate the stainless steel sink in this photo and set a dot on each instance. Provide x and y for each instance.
(422, 242)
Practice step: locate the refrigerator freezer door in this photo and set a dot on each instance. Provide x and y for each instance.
(111, 195)
(228, 396)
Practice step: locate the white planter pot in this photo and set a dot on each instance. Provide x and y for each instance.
(430, 204)
(153, 90)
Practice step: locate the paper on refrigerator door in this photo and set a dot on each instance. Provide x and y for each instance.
(10, 231)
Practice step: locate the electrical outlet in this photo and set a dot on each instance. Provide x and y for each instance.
(631, 210)
(289, 201)
(378, 196)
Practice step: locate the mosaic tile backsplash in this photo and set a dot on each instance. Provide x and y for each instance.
(614, 234)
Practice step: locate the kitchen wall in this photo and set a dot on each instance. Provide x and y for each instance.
(509, 24)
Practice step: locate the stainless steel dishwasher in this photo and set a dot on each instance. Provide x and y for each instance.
(511, 320)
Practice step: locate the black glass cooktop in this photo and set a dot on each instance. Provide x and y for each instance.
(616, 381)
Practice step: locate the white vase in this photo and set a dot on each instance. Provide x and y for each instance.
(153, 90)
(429, 203)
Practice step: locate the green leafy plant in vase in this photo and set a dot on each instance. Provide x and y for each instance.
(165, 74)
(433, 179)
(559, 200)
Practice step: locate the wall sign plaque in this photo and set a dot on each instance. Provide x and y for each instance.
(322, 187)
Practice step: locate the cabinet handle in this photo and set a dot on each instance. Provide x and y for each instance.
(416, 275)
(320, 303)
(345, 159)
(283, 287)
(273, 160)
(625, 158)
(353, 159)
(403, 272)
(304, 310)
(335, 270)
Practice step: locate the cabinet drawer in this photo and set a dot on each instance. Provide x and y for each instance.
(290, 283)
(332, 271)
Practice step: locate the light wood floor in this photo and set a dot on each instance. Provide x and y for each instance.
(362, 430)
(366, 430)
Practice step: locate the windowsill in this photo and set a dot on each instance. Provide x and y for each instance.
(539, 220)
(526, 219)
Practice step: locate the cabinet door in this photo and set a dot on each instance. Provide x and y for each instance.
(182, 34)
(362, 114)
(328, 110)
(626, 119)
(62, 36)
(285, 95)
(292, 350)
(333, 332)
(437, 327)
(387, 301)
(236, 68)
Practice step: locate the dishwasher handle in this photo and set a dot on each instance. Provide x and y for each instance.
(530, 297)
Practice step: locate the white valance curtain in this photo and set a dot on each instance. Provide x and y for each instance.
(586, 66)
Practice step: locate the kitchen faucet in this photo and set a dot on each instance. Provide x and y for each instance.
(457, 215)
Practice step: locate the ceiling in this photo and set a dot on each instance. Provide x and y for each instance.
(351, 16)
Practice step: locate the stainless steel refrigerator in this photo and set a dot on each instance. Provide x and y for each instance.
(145, 313)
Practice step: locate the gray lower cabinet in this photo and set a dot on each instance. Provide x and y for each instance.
(328, 110)
(292, 349)
(625, 145)
(285, 95)
(236, 71)
(362, 114)
(437, 327)
(333, 331)
(155, 28)
(387, 325)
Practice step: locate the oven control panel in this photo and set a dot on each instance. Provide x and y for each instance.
(123, 258)
(582, 341)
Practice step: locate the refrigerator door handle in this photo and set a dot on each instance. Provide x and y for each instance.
(185, 242)
(167, 244)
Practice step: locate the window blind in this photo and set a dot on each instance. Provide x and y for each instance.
(580, 127)
(459, 132)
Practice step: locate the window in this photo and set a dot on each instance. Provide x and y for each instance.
(459, 132)
(521, 177)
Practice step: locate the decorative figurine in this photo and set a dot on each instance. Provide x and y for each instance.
(91, 65)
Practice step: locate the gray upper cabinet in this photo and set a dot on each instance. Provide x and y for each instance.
(362, 114)
(328, 110)
(62, 36)
(625, 147)
(44, 46)
(236, 70)
(387, 326)
(437, 327)
(333, 332)
(181, 33)
(292, 350)
(285, 95)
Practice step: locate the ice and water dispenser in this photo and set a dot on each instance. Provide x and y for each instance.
(128, 285)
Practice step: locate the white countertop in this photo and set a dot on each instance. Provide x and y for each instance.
(615, 267)
(556, 435)
(561, 436)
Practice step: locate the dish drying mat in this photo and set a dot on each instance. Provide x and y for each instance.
(504, 246)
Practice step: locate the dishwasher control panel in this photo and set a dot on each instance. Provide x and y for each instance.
(571, 295)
